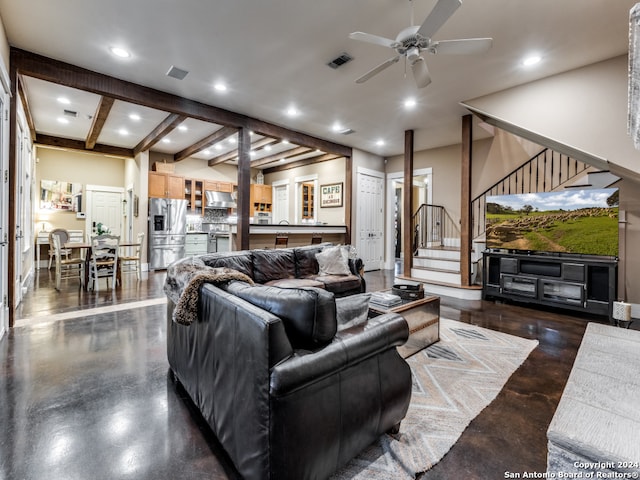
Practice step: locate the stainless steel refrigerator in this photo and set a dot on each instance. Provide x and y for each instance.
(167, 231)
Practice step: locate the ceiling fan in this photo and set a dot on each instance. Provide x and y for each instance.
(414, 40)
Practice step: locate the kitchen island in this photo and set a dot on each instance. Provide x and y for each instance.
(264, 235)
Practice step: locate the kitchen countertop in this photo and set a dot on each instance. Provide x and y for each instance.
(293, 228)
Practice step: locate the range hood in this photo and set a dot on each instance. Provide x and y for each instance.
(219, 200)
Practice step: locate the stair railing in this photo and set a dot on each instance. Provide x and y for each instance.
(544, 172)
(432, 227)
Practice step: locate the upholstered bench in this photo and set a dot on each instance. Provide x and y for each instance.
(595, 428)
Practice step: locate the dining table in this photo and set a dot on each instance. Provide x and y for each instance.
(84, 246)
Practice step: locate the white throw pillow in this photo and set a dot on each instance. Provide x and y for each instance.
(333, 261)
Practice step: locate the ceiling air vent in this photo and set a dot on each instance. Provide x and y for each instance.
(347, 131)
(71, 113)
(341, 60)
(176, 72)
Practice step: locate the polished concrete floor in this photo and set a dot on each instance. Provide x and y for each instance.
(85, 391)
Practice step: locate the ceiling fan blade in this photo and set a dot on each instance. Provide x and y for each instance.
(440, 14)
(461, 46)
(375, 39)
(378, 69)
(421, 73)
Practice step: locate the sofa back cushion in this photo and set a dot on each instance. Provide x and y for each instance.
(240, 261)
(308, 314)
(273, 265)
(306, 262)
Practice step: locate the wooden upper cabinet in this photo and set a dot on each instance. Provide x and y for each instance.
(214, 186)
(260, 197)
(164, 185)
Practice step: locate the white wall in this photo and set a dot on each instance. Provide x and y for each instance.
(583, 110)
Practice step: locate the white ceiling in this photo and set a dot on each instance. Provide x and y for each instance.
(273, 55)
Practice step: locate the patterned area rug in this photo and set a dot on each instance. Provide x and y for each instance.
(453, 381)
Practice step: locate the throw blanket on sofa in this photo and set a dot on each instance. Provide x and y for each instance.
(183, 284)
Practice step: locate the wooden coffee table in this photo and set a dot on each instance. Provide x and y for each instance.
(423, 317)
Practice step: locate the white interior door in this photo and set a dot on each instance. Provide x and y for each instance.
(280, 203)
(104, 205)
(370, 219)
(4, 211)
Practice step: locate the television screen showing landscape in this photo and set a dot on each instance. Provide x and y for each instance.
(572, 221)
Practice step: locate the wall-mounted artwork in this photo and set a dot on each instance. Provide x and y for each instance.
(331, 195)
(61, 196)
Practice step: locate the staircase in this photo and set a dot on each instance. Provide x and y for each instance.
(436, 259)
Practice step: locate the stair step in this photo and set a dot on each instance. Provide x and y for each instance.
(434, 263)
(436, 275)
(441, 253)
(434, 287)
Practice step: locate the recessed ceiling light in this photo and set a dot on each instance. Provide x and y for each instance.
(285, 141)
(206, 152)
(232, 140)
(282, 160)
(336, 127)
(123, 132)
(409, 103)
(119, 52)
(64, 100)
(63, 120)
(135, 117)
(252, 153)
(218, 146)
(220, 87)
(380, 143)
(531, 60)
(267, 148)
(166, 140)
(183, 128)
(292, 112)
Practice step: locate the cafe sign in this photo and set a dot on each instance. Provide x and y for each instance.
(331, 195)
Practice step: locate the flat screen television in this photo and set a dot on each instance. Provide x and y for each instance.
(574, 221)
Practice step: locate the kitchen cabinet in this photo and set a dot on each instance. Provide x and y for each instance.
(194, 194)
(214, 186)
(260, 197)
(166, 185)
(307, 200)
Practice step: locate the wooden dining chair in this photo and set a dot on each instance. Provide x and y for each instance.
(133, 263)
(66, 267)
(64, 238)
(316, 238)
(103, 262)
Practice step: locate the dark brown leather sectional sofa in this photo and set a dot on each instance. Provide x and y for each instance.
(287, 393)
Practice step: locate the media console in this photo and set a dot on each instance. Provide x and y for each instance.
(579, 282)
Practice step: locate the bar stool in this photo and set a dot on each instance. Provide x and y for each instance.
(282, 240)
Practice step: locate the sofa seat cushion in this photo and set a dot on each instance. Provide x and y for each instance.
(295, 283)
(308, 314)
(339, 283)
(273, 265)
(240, 261)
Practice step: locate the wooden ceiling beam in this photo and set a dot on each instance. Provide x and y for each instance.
(233, 155)
(99, 118)
(158, 133)
(27, 110)
(38, 66)
(59, 142)
(301, 163)
(294, 152)
(218, 136)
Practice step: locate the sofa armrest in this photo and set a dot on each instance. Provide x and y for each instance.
(348, 348)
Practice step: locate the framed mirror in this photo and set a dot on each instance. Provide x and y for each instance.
(60, 196)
